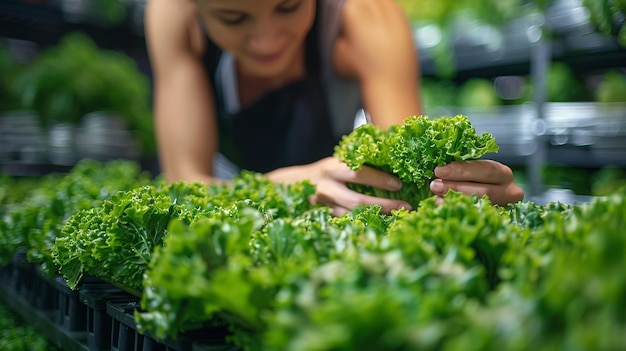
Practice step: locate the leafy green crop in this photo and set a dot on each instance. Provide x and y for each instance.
(34, 222)
(364, 280)
(16, 335)
(469, 231)
(114, 240)
(570, 287)
(76, 77)
(606, 14)
(461, 275)
(282, 274)
(412, 151)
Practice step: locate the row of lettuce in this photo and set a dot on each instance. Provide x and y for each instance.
(284, 274)
(16, 335)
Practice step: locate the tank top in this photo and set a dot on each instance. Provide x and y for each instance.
(296, 124)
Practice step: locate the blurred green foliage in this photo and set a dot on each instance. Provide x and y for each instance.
(17, 336)
(9, 70)
(75, 77)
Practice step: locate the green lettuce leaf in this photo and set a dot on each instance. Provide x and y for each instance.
(412, 151)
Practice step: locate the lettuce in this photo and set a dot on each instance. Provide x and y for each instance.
(32, 223)
(412, 151)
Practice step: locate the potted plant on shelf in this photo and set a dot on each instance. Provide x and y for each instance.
(76, 78)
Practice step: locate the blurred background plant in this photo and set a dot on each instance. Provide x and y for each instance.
(609, 16)
(15, 334)
(10, 68)
(67, 81)
(440, 23)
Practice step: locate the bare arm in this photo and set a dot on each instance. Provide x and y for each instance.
(183, 104)
(376, 47)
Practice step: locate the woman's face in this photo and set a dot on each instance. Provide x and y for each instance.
(265, 36)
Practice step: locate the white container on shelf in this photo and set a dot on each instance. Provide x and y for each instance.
(22, 139)
(104, 136)
(62, 144)
(602, 124)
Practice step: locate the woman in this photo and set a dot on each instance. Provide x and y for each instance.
(273, 84)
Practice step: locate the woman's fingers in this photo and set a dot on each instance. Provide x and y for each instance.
(332, 187)
(479, 171)
(482, 177)
(377, 179)
(366, 175)
(342, 199)
(501, 194)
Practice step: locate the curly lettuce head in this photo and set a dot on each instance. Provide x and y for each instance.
(412, 151)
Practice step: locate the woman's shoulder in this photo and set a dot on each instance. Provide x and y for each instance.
(175, 21)
(367, 26)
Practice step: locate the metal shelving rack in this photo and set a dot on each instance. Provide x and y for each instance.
(586, 135)
(29, 27)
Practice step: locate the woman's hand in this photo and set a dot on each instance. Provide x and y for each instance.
(481, 177)
(331, 176)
